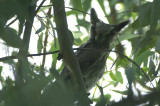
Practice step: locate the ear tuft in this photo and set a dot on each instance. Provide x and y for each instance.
(121, 25)
(94, 17)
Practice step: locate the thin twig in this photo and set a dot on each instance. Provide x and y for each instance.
(58, 51)
(86, 12)
(78, 10)
(47, 5)
(40, 54)
(101, 91)
(118, 13)
(11, 22)
(114, 63)
(45, 40)
(39, 6)
(29, 55)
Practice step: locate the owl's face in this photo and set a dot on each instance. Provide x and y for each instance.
(102, 33)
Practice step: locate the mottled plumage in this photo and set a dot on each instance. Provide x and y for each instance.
(92, 63)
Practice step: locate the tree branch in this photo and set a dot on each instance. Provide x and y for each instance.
(45, 42)
(11, 22)
(65, 44)
(29, 55)
(94, 50)
(39, 6)
(23, 66)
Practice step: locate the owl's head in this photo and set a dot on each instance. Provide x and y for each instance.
(102, 33)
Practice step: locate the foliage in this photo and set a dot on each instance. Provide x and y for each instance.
(33, 85)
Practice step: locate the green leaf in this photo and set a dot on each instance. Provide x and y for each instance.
(107, 97)
(143, 57)
(110, 58)
(11, 37)
(102, 101)
(1, 67)
(9, 9)
(77, 4)
(144, 16)
(111, 74)
(77, 39)
(77, 42)
(72, 12)
(40, 44)
(77, 34)
(121, 92)
(152, 67)
(86, 5)
(54, 56)
(114, 83)
(1, 77)
(119, 77)
(127, 36)
(157, 70)
(101, 3)
(146, 69)
(130, 74)
(157, 47)
(71, 37)
(154, 14)
(144, 43)
(42, 26)
(85, 39)
(83, 23)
